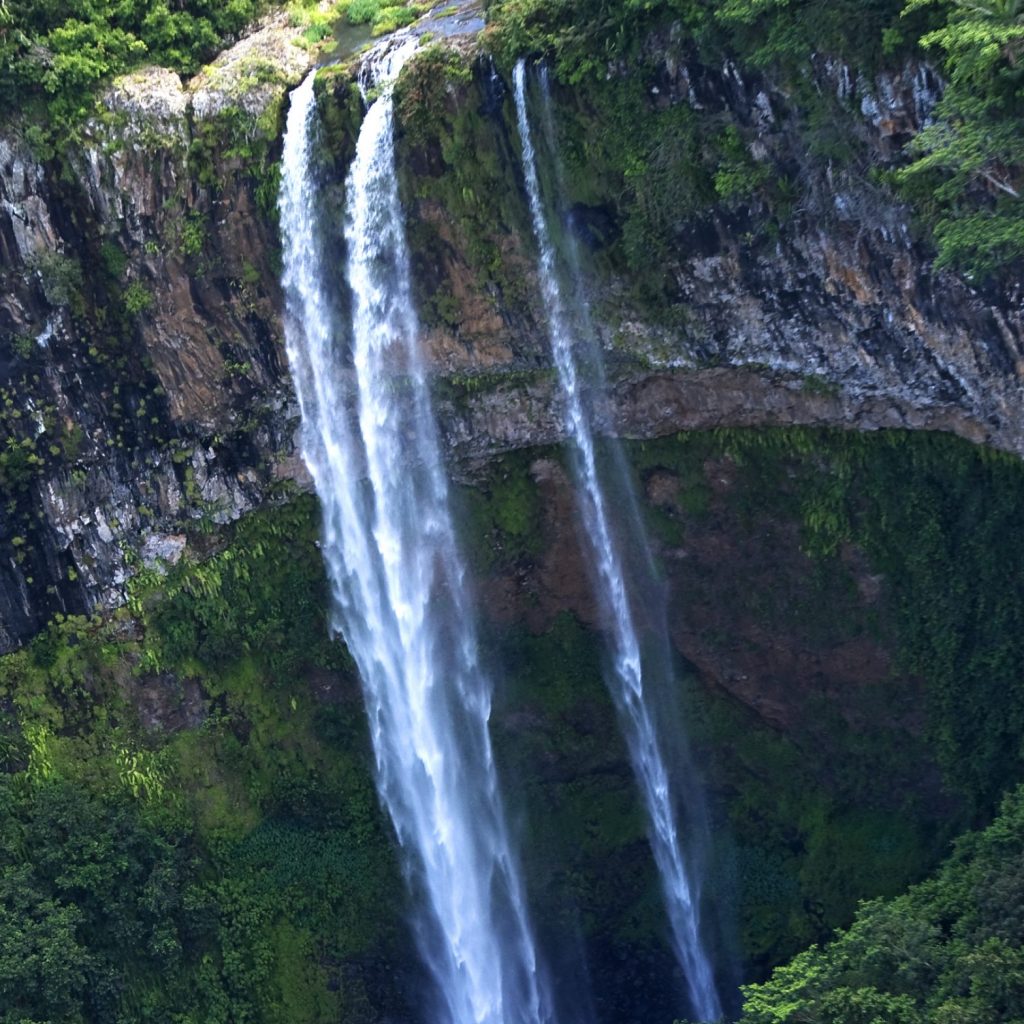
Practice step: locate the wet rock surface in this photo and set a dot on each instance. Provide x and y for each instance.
(141, 360)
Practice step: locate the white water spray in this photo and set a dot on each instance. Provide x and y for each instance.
(627, 679)
(400, 602)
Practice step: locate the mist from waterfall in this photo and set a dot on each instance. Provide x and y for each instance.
(630, 660)
(397, 577)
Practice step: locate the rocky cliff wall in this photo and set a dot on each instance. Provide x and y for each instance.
(777, 282)
(146, 396)
(143, 374)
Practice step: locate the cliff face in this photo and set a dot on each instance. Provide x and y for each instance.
(145, 387)
(743, 270)
(144, 380)
(804, 299)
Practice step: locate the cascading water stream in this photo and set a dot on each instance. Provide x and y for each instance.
(400, 600)
(627, 682)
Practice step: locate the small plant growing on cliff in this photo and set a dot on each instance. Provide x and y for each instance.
(737, 177)
(40, 755)
(140, 773)
(61, 279)
(24, 346)
(114, 259)
(193, 236)
(137, 299)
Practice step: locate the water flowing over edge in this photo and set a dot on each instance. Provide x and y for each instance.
(627, 682)
(399, 596)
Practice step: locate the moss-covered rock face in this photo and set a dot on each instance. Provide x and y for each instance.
(833, 687)
(848, 671)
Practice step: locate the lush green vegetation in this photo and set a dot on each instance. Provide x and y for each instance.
(963, 173)
(53, 54)
(938, 518)
(950, 950)
(382, 15)
(827, 812)
(969, 171)
(190, 832)
(188, 816)
(378, 16)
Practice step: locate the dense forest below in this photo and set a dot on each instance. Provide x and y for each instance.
(189, 830)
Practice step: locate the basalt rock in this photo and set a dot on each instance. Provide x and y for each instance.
(144, 387)
(141, 357)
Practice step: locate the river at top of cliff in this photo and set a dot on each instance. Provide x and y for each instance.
(446, 20)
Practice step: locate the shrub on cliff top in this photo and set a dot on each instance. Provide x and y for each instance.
(54, 53)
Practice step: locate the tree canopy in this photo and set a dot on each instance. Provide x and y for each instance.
(53, 53)
(950, 951)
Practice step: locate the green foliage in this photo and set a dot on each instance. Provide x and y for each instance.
(583, 36)
(452, 157)
(90, 893)
(778, 32)
(217, 868)
(61, 279)
(53, 56)
(949, 950)
(659, 170)
(737, 176)
(969, 168)
(137, 299)
(586, 37)
(425, 86)
(19, 464)
(825, 811)
(265, 597)
(114, 259)
(502, 513)
(584, 848)
(193, 235)
(818, 818)
(316, 20)
(937, 517)
(382, 15)
(234, 142)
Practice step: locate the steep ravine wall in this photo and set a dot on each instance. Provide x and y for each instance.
(146, 393)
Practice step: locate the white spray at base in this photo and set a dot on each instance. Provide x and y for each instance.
(400, 601)
(627, 682)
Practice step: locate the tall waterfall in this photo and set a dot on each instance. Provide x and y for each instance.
(627, 678)
(397, 577)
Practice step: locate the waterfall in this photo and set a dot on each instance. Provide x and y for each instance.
(399, 595)
(627, 676)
